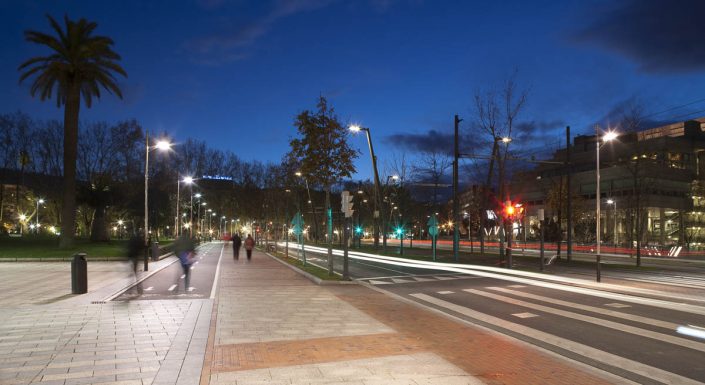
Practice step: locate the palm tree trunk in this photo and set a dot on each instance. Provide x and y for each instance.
(68, 210)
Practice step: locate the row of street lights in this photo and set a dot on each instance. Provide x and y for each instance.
(606, 137)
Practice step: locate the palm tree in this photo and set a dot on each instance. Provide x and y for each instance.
(78, 65)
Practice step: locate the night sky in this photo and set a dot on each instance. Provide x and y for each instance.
(235, 73)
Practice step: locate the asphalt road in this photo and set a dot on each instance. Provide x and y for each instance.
(169, 283)
(632, 336)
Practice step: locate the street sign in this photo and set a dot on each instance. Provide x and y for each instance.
(297, 224)
(433, 225)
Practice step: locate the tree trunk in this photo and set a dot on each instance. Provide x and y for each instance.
(329, 227)
(68, 211)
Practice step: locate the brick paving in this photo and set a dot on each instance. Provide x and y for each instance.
(272, 326)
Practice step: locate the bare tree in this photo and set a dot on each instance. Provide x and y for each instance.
(497, 113)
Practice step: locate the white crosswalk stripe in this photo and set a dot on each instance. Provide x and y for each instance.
(593, 309)
(617, 362)
(596, 321)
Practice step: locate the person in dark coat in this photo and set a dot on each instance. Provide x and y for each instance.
(135, 251)
(237, 243)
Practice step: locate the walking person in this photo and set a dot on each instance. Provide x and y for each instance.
(237, 243)
(185, 250)
(135, 251)
(249, 245)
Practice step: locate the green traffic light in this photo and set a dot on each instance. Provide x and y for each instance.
(358, 230)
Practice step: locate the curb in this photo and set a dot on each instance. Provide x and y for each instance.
(69, 259)
(309, 276)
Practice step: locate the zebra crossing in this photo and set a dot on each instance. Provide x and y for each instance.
(414, 279)
(636, 338)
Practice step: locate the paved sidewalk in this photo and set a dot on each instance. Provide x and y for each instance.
(266, 325)
(49, 336)
(272, 326)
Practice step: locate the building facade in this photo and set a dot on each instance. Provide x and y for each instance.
(652, 187)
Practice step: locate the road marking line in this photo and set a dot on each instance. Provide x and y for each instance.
(172, 287)
(183, 276)
(397, 280)
(596, 321)
(564, 344)
(611, 313)
(375, 282)
(191, 288)
(217, 273)
(525, 315)
(517, 286)
(445, 292)
(617, 305)
(149, 288)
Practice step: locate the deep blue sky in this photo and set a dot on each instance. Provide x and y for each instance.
(235, 73)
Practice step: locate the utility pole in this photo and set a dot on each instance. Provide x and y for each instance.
(569, 244)
(456, 204)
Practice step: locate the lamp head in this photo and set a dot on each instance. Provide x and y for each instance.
(188, 179)
(40, 201)
(609, 135)
(162, 145)
(355, 128)
(298, 173)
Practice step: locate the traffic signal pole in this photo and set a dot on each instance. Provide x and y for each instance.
(456, 204)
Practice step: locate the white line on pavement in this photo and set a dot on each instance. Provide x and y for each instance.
(172, 287)
(611, 313)
(596, 321)
(562, 343)
(217, 273)
(149, 288)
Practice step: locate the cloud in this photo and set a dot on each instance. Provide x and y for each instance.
(231, 45)
(659, 35)
(432, 141)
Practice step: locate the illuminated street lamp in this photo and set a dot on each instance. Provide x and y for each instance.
(614, 237)
(377, 200)
(187, 180)
(39, 201)
(22, 219)
(161, 145)
(608, 136)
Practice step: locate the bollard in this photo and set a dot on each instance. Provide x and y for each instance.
(155, 251)
(79, 274)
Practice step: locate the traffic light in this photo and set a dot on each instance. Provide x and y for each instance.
(358, 230)
(512, 210)
(347, 204)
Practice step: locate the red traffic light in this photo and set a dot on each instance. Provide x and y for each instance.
(512, 210)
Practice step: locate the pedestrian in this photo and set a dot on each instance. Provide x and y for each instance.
(249, 245)
(185, 251)
(135, 250)
(237, 243)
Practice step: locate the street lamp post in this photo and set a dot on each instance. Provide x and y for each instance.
(22, 219)
(614, 237)
(160, 145)
(377, 201)
(39, 201)
(187, 180)
(310, 202)
(608, 136)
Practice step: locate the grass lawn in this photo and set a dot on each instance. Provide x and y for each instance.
(309, 268)
(44, 247)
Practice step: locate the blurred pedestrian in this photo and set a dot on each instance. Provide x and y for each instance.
(249, 245)
(135, 251)
(237, 243)
(184, 249)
